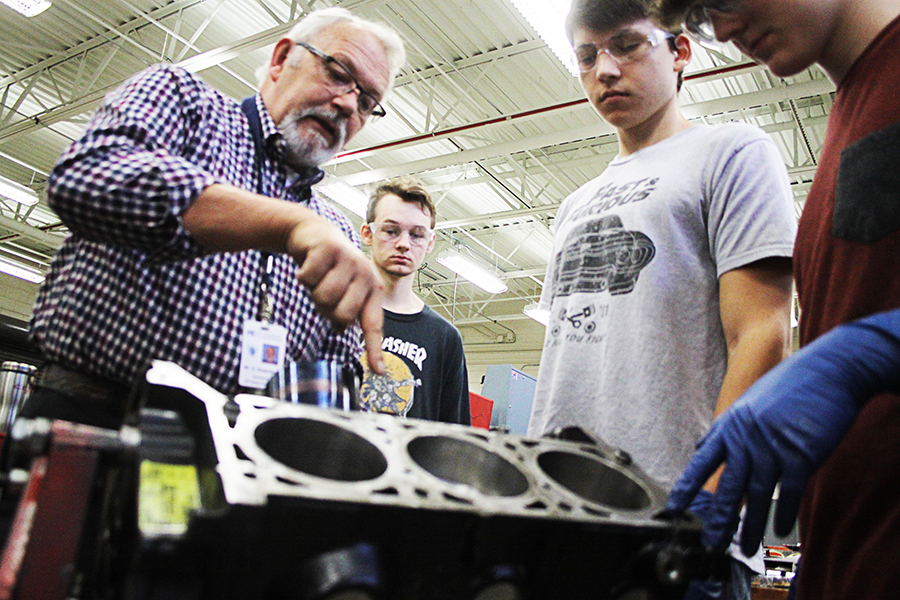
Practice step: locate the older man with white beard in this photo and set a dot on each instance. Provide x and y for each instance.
(191, 214)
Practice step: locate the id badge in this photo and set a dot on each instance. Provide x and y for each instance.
(263, 346)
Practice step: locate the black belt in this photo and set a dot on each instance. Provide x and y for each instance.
(106, 393)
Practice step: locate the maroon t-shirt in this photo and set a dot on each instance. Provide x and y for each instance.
(847, 265)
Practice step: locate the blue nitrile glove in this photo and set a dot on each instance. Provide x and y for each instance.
(786, 425)
(700, 504)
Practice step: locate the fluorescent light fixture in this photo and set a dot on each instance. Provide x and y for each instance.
(469, 269)
(548, 19)
(541, 315)
(17, 192)
(22, 272)
(346, 195)
(29, 8)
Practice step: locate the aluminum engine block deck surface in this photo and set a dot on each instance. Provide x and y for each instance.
(435, 510)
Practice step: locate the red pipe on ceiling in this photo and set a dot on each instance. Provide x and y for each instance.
(528, 113)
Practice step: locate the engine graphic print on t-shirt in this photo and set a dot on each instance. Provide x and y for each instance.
(393, 392)
(600, 259)
(601, 255)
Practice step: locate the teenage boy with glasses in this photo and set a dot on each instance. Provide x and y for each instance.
(825, 423)
(678, 253)
(194, 226)
(426, 374)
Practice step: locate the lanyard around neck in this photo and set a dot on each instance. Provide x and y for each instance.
(302, 189)
(266, 260)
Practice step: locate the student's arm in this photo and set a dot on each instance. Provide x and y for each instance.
(755, 307)
(754, 304)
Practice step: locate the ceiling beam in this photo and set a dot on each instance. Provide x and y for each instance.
(58, 58)
(8, 225)
(87, 102)
(474, 61)
(537, 169)
(497, 216)
(695, 110)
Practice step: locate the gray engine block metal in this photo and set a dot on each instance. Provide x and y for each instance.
(422, 510)
(303, 451)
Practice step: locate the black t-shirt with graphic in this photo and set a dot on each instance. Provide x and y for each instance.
(426, 370)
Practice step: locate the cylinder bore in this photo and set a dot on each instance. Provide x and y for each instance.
(321, 449)
(460, 461)
(594, 480)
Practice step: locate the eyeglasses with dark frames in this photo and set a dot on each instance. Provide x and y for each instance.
(626, 46)
(342, 81)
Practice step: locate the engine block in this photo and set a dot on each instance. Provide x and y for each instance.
(301, 502)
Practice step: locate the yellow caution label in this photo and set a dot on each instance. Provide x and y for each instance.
(168, 493)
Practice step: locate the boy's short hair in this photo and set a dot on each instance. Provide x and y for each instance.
(408, 189)
(603, 15)
(671, 12)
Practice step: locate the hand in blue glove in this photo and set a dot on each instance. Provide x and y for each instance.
(786, 425)
(700, 504)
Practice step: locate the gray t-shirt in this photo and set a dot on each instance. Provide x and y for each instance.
(634, 350)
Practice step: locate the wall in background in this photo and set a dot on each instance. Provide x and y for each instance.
(16, 297)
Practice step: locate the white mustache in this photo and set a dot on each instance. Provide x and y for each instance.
(331, 116)
(313, 147)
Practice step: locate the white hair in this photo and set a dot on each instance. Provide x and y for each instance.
(318, 20)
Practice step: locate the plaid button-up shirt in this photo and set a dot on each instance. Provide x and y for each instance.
(131, 284)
